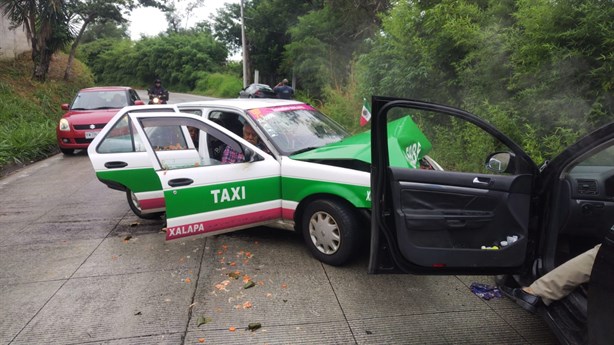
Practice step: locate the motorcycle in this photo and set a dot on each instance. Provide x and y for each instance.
(160, 98)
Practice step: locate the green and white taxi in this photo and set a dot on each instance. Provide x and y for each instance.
(306, 173)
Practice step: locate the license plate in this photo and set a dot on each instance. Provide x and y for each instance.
(91, 135)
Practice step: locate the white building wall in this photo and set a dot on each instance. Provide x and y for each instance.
(12, 42)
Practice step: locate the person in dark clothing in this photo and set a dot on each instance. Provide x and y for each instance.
(159, 92)
(283, 90)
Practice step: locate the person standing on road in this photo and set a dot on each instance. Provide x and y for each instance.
(283, 90)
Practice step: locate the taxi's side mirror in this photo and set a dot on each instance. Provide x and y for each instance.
(64, 106)
(501, 162)
(139, 102)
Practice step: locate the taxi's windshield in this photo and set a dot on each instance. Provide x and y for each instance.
(299, 129)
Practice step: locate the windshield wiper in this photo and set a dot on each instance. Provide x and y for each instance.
(305, 150)
(103, 108)
(78, 109)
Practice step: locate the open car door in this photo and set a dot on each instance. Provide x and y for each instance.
(202, 195)
(464, 219)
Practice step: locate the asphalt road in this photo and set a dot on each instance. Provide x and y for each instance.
(77, 267)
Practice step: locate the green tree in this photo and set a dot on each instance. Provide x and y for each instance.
(89, 12)
(178, 59)
(46, 26)
(266, 29)
(324, 41)
(98, 31)
(564, 61)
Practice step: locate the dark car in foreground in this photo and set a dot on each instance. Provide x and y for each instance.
(257, 91)
(89, 112)
(458, 220)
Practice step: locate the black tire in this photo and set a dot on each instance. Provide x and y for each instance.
(136, 208)
(331, 231)
(68, 152)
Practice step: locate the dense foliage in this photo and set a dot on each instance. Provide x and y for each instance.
(541, 70)
(180, 60)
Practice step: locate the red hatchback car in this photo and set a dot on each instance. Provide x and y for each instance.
(89, 113)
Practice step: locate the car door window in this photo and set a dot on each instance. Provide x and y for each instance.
(229, 120)
(169, 140)
(123, 137)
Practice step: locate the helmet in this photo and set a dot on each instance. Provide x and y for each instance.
(157, 81)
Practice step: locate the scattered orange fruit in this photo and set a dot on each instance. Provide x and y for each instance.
(201, 340)
(188, 280)
(232, 329)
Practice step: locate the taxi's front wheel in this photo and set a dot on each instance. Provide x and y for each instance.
(330, 230)
(133, 202)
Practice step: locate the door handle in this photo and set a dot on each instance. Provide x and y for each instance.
(477, 180)
(180, 182)
(115, 165)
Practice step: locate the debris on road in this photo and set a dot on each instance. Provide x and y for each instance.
(254, 326)
(203, 320)
(485, 291)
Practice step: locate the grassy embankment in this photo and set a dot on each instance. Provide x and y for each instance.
(29, 110)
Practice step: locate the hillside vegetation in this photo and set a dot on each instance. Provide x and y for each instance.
(30, 110)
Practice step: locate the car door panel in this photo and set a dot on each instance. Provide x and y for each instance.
(221, 198)
(446, 218)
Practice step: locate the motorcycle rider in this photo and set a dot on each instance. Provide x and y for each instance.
(157, 91)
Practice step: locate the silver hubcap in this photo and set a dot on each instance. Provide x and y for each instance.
(135, 201)
(324, 233)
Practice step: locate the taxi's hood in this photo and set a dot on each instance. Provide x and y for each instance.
(406, 145)
(86, 117)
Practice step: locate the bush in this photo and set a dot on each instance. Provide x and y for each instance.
(218, 85)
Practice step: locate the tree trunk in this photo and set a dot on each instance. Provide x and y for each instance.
(41, 67)
(73, 49)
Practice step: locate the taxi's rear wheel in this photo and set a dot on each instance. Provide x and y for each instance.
(330, 230)
(133, 202)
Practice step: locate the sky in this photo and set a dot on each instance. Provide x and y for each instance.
(150, 21)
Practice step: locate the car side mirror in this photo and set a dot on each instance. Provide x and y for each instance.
(139, 102)
(501, 162)
(64, 106)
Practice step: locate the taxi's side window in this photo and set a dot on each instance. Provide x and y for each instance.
(123, 137)
(171, 144)
(166, 138)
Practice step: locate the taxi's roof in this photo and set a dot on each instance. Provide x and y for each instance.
(241, 103)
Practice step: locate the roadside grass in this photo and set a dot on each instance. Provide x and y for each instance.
(29, 110)
(218, 85)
